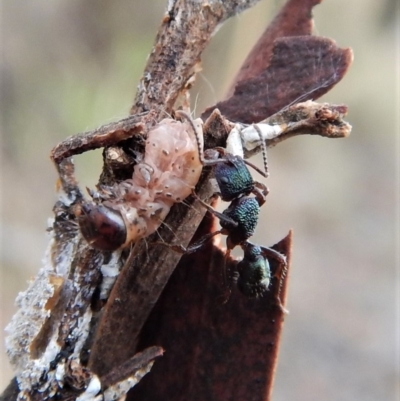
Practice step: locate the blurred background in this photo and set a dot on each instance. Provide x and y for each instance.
(69, 66)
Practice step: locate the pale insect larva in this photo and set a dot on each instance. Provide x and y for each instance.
(135, 208)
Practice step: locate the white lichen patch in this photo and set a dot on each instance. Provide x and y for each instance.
(81, 333)
(110, 273)
(91, 391)
(62, 263)
(27, 323)
(247, 138)
(31, 343)
(120, 389)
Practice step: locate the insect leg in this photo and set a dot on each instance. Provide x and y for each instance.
(221, 216)
(273, 254)
(260, 191)
(194, 247)
(280, 272)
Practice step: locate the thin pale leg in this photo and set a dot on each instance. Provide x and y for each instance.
(192, 248)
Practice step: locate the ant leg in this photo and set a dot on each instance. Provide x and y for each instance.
(280, 272)
(221, 216)
(198, 132)
(212, 162)
(235, 146)
(272, 254)
(225, 156)
(239, 153)
(260, 191)
(194, 247)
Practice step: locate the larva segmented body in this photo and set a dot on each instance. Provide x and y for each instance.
(135, 208)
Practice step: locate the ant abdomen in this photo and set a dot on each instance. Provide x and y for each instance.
(254, 272)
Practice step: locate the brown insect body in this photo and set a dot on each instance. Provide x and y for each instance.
(102, 227)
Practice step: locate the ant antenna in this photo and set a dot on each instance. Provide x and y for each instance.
(197, 134)
(263, 149)
(254, 167)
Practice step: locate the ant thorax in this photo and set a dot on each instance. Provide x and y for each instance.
(167, 174)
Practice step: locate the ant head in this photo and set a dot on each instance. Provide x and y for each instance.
(254, 272)
(233, 177)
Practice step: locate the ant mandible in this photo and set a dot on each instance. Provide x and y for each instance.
(238, 222)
